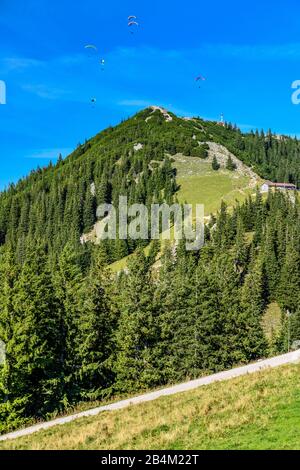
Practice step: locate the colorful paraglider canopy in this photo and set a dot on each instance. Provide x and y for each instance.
(200, 78)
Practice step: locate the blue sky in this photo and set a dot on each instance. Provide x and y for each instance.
(250, 56)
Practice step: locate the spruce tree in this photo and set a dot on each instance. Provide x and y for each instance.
(230, 165)
(253, 303)
(175, 302)
(295, 327)
(97, 325)
(137, 330)
(289, 287)
(215, 165)
(11, 412)
(33, 371)
(68, 290)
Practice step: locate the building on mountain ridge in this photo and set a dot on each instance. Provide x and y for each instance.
(268, 185)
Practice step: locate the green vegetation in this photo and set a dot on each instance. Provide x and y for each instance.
(272, 321)
(215, 165)
(72, 338)
(75, 332)
(259, 411)
(199, 184)
(271, 156)
(230, 165)
(211, 190)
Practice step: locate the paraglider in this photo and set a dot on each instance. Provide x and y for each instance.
(91, 46)
(93, 53)
(200, 78)
(93, 102)
(132, 22)
(91, 49)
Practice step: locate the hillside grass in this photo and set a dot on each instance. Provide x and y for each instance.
(200, 184)
(272, 320)
(121, 265)
(259, 411)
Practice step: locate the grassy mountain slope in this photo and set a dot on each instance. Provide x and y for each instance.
(260, 411)
(200, 184)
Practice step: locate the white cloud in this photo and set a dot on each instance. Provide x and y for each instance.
(75, 59)
(289, 51)
(145, 51)
(45, 92)
(19, 63)
(50, 154)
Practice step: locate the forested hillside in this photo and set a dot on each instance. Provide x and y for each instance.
(75, 332)
(58, 204)
(273, 157)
